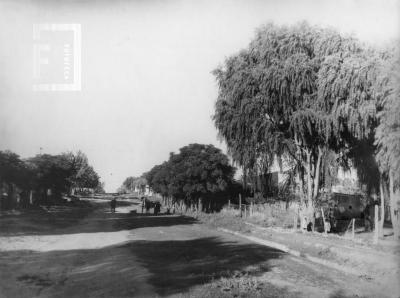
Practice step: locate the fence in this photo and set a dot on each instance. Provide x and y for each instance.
(285, 215)
(277, 213)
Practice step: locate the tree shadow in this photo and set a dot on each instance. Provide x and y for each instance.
(138, 268)
(79, 221)
(176, 266)
(341, 294)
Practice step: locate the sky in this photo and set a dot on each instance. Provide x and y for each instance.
(146, 83)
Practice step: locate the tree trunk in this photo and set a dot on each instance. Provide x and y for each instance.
(382, 195)
(393, 206)
(376, 224)
(244, 179)
(300, 189)
(309, 179)
(310, 204)
(317, 173)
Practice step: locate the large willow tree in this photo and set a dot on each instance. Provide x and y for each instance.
(300, 93)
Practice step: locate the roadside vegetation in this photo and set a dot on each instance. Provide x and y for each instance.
(198, 177)
(314, 100)
(45, 178)
(308, 100)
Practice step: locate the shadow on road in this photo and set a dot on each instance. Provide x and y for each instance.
(139, 268)
(82, 221)
(175, 266)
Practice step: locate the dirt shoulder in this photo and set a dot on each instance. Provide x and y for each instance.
(376, 263)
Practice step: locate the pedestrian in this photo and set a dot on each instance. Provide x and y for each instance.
(156, 208)
(309, 227)
(113, 204)
(148, 205)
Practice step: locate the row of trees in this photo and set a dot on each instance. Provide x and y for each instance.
(198, 175)
(313, 98)
(43, 175)
(132, 184)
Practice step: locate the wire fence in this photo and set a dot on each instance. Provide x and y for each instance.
(287, 215)
(278, 213)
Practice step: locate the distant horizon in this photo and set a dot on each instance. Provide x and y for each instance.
(146, 86)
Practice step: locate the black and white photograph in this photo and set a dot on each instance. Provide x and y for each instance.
(199, 149)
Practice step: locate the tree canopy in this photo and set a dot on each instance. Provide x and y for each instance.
(387, 135)
(297, 92)
(131, 183)
(60, 173)
(197, 171)
(14, 170)
(64, 172)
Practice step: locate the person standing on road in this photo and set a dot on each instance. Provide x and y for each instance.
(157, 208)
(113, 204)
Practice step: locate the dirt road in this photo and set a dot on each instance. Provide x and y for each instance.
(94, 253)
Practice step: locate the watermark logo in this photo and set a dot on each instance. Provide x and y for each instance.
(56, 57)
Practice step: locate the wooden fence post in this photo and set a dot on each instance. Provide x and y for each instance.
(240, 204)
(229, 204)
(352, 231)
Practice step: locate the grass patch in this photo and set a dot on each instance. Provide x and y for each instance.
(224, 219)
(230, 218)
(241, 284)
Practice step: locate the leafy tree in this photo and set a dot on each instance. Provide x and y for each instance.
(159, 179)
(132, 183)
(127, 185)
(60, 173)
(51, 172)
(63, 173)
(387, 136)
(196, 172)
(11, 168)
(13, 173)
(82, 173)
(300, 93)
(99, 189)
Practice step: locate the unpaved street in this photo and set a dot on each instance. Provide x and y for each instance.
(95, 253)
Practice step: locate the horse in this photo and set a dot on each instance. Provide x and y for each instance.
(147, 204)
